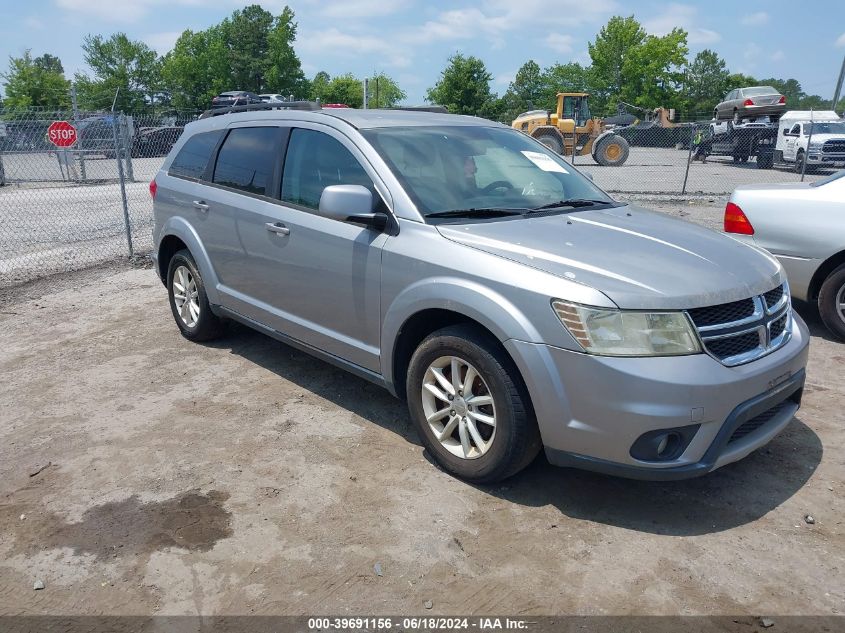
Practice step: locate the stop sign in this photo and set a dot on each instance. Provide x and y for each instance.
(61, 134)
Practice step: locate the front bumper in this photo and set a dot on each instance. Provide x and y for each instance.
(816, 157)
(592, 409)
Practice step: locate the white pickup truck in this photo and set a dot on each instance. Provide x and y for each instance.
(820, 143)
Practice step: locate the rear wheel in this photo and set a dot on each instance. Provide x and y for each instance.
(612, 151)
(552, 141)
(188, 300)
(470, 406)
(832, 302)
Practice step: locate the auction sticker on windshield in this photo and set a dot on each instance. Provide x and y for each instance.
(544, 162)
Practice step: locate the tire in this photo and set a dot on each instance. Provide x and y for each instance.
(612, 151)
(505, 448)
(200, 323)
(552, 141)
(799, 162)
(832, 302)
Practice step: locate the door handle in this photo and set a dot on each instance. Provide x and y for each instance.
(201, 205)
(278, 228)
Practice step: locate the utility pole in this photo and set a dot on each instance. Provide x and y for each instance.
(79, 150)
(366, 92)
(838, 90)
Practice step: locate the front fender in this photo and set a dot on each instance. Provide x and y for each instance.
(179, 227)
(468, 298)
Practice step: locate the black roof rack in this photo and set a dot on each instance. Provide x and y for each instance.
(257, 107)
(432, 108)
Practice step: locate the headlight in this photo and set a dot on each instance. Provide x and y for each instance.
(609, 332)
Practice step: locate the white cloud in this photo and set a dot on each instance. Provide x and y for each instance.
(756, 19)
(162, 42)
(132, 10)
(504, 79)
(683, 16)
(840, 42)
(778, 56)
(361, 8)
(319, 42)
(559, 43)
(33, 23)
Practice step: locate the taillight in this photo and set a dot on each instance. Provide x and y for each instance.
(736, 222)
(748, 102)
(153, 188)
(782, 100)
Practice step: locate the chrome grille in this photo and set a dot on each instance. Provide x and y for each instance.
(834, 146)
(723, 313)
(741, 331)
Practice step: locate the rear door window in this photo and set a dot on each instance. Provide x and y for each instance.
(247, 160)
(192, 160)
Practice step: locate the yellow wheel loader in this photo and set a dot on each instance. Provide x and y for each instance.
(571, 130)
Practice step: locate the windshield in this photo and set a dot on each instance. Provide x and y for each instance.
(473, 167)
(826, 128)
(759, 91)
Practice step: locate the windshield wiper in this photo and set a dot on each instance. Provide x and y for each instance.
(482, 212)
(572, 202)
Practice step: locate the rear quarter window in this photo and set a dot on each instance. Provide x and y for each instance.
(247, 159)
(192, 159)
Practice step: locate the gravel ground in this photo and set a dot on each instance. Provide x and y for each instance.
(141, 473)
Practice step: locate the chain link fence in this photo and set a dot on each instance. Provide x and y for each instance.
(65, 209)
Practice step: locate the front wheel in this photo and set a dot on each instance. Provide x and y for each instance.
(799, 162)
(470, 406)
(832, 302)
(612, 151)
(552, 141)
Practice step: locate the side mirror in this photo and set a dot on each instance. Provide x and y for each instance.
(785, 132)
(351, 203)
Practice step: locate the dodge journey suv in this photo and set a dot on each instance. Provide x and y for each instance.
(471, 271)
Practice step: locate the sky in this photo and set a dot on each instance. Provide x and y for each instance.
(411, 40)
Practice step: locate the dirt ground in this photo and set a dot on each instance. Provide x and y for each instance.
(141, 473)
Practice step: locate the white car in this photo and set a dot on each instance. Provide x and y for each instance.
(272, 98)
(803, 226)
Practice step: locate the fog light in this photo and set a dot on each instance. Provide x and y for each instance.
(663, 445)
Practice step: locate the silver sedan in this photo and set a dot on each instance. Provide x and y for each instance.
(803, 225)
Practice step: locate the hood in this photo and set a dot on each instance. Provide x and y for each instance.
(640, 259)
(821, 138)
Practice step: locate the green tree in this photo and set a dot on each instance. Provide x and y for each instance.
(707, 82)
(319, 85)
(463, 87)
(346, 89)
(196, 69)
(120, 65)
(525, 92)
(610, 52)
(571, 77)
(247, 34)
(283, 71)
(35, 82)
(384, 92)
(653, 71)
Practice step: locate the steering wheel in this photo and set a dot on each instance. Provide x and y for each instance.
(497, 184)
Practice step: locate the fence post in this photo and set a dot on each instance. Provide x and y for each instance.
(689, 159)
(2, 171)
(807, 153)
(127, 145)
(80, 152)
(119, 160)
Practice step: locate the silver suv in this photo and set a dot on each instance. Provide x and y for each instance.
(466, 268)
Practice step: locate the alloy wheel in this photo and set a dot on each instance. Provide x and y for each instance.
(458, 407)
(186, 296)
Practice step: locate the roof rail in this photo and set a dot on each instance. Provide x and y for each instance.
(432, 108)
(257, 107)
